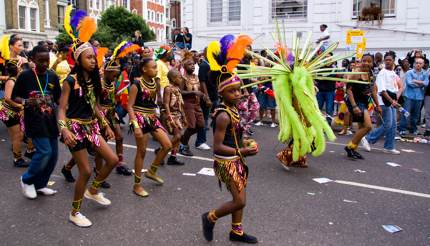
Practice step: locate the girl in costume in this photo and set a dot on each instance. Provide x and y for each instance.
(229, 148)
(357, 100)
(80, 118)
(143, 120)
(11, 113)
(174, 113)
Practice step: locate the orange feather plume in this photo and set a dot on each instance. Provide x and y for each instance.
(101, 53)
(128, 50)
(87, 27)
(236, 52)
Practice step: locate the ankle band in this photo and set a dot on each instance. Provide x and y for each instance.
(352, 146)
(17, 155)
(76, 205)
(212, 217)
(237, 228)
(137, 179)
(96, 184)
(153, 169)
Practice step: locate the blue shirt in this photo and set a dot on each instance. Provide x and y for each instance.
(412, 90)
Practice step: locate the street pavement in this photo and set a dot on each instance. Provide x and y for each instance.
(283, 207)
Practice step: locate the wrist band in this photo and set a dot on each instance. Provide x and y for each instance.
(237, 152)
(134, 124)
(62, 124)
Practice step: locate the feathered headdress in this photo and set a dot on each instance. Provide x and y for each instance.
(223, 57)
(80, 27)
(120, 51)
(160, 52)
(4, 49)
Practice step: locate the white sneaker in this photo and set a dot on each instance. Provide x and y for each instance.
(28, 190)
(80, 220)
(203, 146)
(365, 144)
(260, 123)
(349, 132)
(47, 191)
(99, 198)
(392, 151)
(273, 125)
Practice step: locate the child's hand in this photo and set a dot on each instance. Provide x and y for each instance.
(249, 151)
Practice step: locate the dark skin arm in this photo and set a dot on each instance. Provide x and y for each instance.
(166, 104)
(131, 100)
(204, 89)
(222, 122)
(68, 137)
(159, 96)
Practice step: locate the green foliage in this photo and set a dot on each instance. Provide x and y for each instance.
(115, 25)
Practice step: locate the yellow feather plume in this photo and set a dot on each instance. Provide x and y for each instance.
(67, 26)
(214, 48)
(115, 51)
(4, 48)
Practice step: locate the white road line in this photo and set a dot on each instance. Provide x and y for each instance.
(375, 187)
(373, 148)
(152, 150)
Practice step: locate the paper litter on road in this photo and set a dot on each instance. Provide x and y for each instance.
(408, 150)
(189, 174)
(349, 201)
(322, 180)
(3, 140)
(331, 151)
(392, 228)
(143, 170)
(207, 171)
(311, 193)
(359, 171)
(393, 164)
(417, 170)
(330, 223)
(51, 183)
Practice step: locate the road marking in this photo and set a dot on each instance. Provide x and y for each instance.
(152, 150)
(373, 148)
(375, 187)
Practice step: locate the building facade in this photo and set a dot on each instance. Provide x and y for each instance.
(154, 13)
(406, 24)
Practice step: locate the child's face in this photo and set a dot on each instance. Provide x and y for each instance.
(111, 76)
(177, 79)
(232, 94)
(88, 60)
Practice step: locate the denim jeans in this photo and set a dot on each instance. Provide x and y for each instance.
(43, 162)
(387, 129)
(326, 97)
(414, 108)
(201, 133)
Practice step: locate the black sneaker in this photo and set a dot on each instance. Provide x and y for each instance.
(350, 153)
(156, 152)
(29, 154)
(173, 161)
(185, 150)
(123, 170)
(357, 155)
(245, 238)
(208, 227)
(427, 134)
(105, 185)
(67, 175)
(20, 163)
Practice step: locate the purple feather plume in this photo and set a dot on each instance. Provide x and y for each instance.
(226, 43)
(76, 18)
(126, 45)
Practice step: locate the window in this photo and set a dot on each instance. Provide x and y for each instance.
(149, 15)
(174, 23)
(388, 7)
(234, 10)
(161, 17)
(21, 17)
(109, 3)
(97, 4)
(33, 19)
(91, 4)
(289, 8)
(215, 11)
(60, 12)
(134, 11)
(157, 17)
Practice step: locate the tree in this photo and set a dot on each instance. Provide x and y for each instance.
(115, 25)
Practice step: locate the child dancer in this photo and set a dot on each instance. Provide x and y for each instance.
(174, 113)
(79, 119)
(143, 120)
(229, 149)
(11, 113)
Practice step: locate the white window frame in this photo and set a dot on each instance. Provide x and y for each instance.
(230, 12)
(211, 19)
(29, 4)
(62, 5)
(47, 19)
(392, 11)
(303, 14)
(20, 4)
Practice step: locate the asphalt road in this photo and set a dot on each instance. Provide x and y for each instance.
(283, 207)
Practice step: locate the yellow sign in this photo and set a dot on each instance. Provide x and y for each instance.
(354, 36)
(361, 47)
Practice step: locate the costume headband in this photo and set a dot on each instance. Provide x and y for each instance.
(232, 81)
(85, 46)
